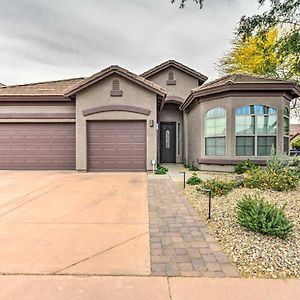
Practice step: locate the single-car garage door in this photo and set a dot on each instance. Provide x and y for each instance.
(117, 145)
(41, 146)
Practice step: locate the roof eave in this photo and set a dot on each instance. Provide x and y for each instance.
(285, 86)
(107, 73)
(32, 97)
(168, 64)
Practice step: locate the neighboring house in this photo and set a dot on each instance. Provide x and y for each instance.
(294, 132)
(118, 121)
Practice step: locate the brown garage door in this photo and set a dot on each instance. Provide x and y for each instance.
(117, 145)
(42, 146)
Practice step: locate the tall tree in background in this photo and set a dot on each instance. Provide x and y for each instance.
(254, 55)
(262, 54)
(266, 44)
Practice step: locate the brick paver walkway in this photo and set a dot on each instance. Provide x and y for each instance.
(180, 242)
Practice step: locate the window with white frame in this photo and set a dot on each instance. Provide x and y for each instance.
(286, 130)
(255, 130)
(215, 132)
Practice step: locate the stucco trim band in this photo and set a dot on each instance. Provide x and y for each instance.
(106, 108)
(37, 115)
(38, 98)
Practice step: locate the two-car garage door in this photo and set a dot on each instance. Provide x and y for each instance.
(37, 146)
(112, 146)
(116, 145)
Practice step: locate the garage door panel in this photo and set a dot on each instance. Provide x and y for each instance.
(59, 140)
(117, 145)
(124, 139)
(37, 146)
(138, 153)
(139, 139)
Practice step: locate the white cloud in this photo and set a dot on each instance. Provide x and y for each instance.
(44, 40)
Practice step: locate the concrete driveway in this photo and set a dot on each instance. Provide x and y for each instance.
(74, 223)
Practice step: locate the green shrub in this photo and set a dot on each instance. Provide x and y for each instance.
(283, 179)
(218, 187)
(194, 180)
(256, 214)
(277, 161)
(296, 144)
(245, 166)
(161, 170)
(191, 167)
(294, 166)
(281, 174)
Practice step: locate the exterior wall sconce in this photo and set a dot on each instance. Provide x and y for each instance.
(151, 123)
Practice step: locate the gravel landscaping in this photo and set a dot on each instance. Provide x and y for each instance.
(255, 255)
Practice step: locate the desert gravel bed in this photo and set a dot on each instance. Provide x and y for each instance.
(255, 255)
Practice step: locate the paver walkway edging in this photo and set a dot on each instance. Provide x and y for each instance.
(181, 244)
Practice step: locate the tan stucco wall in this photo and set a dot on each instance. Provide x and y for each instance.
(195, 125)
(35, 109)
(171, 113)
(193, 128)
(184, 82)
(99, 95)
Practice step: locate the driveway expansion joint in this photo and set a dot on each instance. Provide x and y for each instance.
(98, 253)
(180, 242)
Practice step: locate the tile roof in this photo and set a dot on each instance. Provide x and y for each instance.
(176, 64)
(48, 88)
(294, 137)
(240, 79)
(118, 70)
(243, 82)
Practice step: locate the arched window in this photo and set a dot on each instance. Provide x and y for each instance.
(116, 85)
(171, 76)
(286, 130)
(255, 130)
(215, 132)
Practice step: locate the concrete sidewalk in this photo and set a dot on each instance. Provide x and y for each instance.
(139, 288)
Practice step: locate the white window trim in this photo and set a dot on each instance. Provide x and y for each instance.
(286, 135)
(255, 135)
(215, 136)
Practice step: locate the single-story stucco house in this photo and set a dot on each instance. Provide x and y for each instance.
(116, 120)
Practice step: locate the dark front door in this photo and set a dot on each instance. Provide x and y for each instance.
(168, 142)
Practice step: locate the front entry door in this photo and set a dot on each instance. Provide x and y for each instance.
(168, 142)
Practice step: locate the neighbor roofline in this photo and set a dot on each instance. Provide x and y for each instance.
(294, 136)
(176, 64)
(123, 73)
